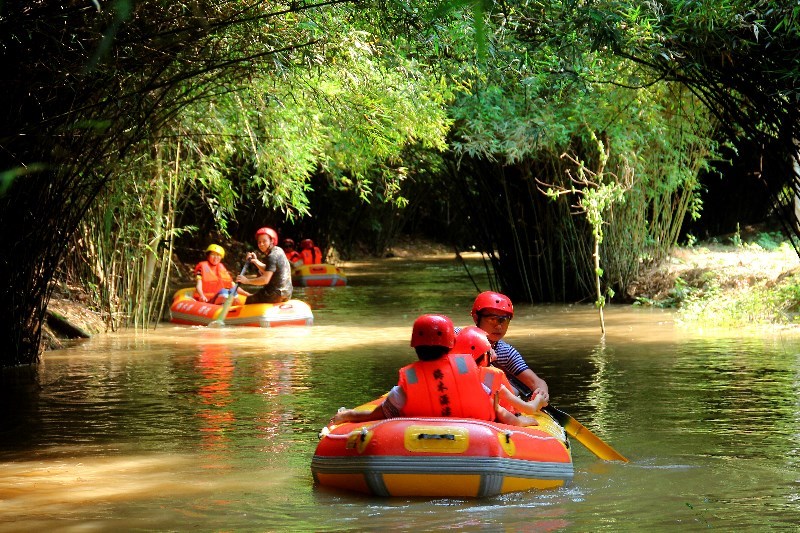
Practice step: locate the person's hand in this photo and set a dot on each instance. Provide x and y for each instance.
(340, 416)
(241, 278)
(538, 402)
(203, 298)
(544, 394)
(250, 256)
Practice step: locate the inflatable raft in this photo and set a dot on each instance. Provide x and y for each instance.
(322, 275)
(186, 310)
(442, 457)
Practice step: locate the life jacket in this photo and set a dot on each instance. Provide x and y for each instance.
(494, 378)
(311, 256)
(214, 278)
(448, 386)
(294, 256)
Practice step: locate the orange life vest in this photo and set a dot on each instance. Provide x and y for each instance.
(311, 256)
(448, 386)
(494, 378)
(214, 278)
(293, 256)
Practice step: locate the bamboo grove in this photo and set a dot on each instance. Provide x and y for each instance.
(564, 140)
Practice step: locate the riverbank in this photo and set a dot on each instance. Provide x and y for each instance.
(709, 283)
(734, 285)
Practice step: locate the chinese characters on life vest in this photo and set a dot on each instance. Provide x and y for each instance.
(444, 399)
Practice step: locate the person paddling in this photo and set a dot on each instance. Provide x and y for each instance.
(274, 273)
(492, 312)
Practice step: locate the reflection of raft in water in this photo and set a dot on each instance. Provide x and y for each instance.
(442, 457)
(186, 310)
(322, 275)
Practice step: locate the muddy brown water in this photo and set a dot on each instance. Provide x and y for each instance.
(191, 428)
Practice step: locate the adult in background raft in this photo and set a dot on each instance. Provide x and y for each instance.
(274, 273)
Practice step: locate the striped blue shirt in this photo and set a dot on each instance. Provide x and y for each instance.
(509, 359)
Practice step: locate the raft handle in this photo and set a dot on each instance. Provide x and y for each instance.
(508, 437)
(439, 436)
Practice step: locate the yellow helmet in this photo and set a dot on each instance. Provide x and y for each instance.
(217, 249)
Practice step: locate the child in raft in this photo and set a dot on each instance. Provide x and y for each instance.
(213, 279)
(474, 341)
(422, 390)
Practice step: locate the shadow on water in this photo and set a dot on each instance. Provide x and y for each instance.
(190, 427)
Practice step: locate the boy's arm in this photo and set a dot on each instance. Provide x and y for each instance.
(351, 415)
(522, 406)
(199, 288)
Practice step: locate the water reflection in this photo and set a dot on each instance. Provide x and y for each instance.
(190, 427)
(216, 419)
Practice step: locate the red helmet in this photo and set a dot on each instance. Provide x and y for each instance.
(288, 243)
(306, 244)
(494, 301)
(432, 330)
(268, 231)
(472, 340)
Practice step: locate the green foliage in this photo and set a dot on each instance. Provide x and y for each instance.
(770, 240)
(350, 117)
(756, 305)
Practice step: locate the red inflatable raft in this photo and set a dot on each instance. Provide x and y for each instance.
(442, 457)
(186, 310)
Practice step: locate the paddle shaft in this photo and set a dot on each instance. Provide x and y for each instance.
(220, 321)
(574, 428)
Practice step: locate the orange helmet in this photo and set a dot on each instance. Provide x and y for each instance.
(472, 340)
(494, 301)
(268, 231)
(432, 330)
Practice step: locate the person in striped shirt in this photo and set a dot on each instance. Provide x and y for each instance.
(492, 312)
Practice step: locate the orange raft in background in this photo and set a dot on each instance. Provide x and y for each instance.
(321, 275)
(442, 457)
(186, 310)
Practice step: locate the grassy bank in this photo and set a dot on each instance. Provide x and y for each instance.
(729, 284)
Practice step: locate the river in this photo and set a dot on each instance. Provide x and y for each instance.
(192, 428)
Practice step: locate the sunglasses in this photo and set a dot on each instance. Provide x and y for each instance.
(497, 319)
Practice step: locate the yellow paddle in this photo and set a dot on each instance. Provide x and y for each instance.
(577, 430)
(220, 320)
(574, 428)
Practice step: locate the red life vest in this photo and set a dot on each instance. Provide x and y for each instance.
(214, 278)
(312, 256)
(448, 386)
(293, 256)
(494, 378)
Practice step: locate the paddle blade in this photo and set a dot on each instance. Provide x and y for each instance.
(582, 434)
(220, 320)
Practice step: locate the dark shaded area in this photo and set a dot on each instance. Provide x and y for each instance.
(735, 197)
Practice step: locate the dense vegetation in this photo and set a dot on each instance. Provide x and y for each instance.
(563, 139)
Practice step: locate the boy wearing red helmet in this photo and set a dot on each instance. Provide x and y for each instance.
(492, 312)
(274, 273)
(439, 384)
(474, 341)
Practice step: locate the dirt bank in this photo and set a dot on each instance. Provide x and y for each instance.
(732, 268)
